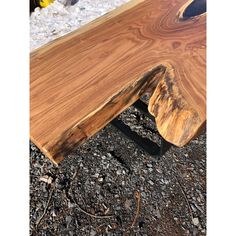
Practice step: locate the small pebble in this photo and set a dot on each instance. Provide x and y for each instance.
(109, 154)
(53, 213)
(92, 232)
(100, 179)
(95, 175)
(158, 214)
(68, 220)
(70, 205)
(128, 204)
(149, 165)
(195, 221)
(150, 182)
(143, 194)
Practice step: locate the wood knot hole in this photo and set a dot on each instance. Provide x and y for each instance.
(192, 9)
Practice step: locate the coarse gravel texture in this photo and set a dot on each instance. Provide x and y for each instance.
(103, 177)
(108, 185)
(56, 20)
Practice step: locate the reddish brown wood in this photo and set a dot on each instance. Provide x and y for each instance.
(80, 82)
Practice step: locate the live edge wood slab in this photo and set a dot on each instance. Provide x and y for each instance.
(81, 81)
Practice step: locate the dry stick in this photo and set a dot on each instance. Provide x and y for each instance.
(94, 216)
(181, 188)
(186, 199)
(89, 214)
(82, 210)
(138, 197)
(75, 174)
(45, 209)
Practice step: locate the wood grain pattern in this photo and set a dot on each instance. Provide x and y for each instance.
(80, 82)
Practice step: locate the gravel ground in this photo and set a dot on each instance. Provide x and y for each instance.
(109, 186)
(110, 177)
(57, 20)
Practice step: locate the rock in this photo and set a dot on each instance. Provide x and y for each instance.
(53, 213)
(95, 175)
(159, 170)
(92, 232)
(145, 171)
(71, 233)
(47, 179)
(150, 182)
(143, 194)
(100, 180)
(149, 165)
(158, 214)
(128, 204)
(109, 154)
(195, 221)
(68, 221)
(163, 187)
(71, 205)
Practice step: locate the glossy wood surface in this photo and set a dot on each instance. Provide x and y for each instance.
(80, 82)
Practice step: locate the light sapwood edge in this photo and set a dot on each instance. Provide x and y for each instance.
(84, 129)
(45, 151)
(84, 132)
(177, 122)
(56, 42)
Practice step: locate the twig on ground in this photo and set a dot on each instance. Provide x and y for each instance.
(75, 173)
(87, 213)
(181, 187)
(45, 209)
(185, 197)
(94, 216)
(138, 198)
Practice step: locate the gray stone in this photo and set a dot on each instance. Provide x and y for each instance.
(150, 182)
(158, 214)
(195, 221)
(68, 220)
(149, 165)
(92, 232)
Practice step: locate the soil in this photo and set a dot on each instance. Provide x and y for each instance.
(110, 186)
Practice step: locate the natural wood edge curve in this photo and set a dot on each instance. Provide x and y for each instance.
(155, 51)
(177, 121)
(87, 127)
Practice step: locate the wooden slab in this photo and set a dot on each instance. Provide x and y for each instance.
(80, 82)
